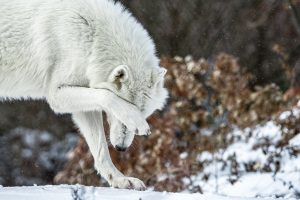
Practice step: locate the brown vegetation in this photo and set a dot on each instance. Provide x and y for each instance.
(207, 98)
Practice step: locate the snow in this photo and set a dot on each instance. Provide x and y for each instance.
(226, 171)
(295, 141)
(205, 155)
(251, 185)
(225, 175)
(269, 131)
(289, 113)
(183, 155)
(78, 192)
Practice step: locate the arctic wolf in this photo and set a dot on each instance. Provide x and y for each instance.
(83, 57)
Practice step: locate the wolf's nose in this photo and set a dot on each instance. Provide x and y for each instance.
(120, 148)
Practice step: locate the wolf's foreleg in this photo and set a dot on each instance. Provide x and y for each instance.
(91, 126)
(71, 99)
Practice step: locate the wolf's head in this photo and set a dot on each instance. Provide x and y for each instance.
(144, 89)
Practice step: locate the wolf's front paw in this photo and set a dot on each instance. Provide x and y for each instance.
(128, 114)
(132, 118)
(128, 183)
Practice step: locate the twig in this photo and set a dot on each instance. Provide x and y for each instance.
(296, 15)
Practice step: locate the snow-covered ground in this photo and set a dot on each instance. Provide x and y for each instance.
(254, 165)
(235, 172)
(65, 192)
(257, 164)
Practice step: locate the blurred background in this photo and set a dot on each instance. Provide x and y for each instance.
(232, 118)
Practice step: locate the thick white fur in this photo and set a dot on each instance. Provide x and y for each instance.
(83, 56)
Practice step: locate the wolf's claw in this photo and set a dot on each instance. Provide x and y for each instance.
(145, 133)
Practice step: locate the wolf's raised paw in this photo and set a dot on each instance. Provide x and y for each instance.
(128, 183)
(133, 120)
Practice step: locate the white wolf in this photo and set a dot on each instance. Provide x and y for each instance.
(83, 57)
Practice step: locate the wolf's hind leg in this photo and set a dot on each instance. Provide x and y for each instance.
(91, 126)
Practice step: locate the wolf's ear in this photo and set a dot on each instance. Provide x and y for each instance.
(162, 72)
(158, 75)
(119, 74)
